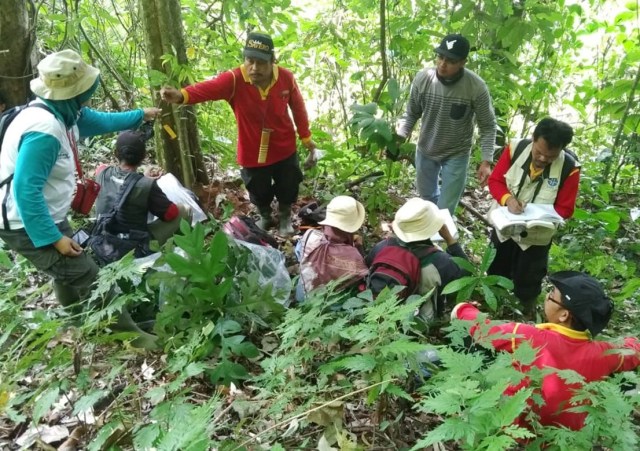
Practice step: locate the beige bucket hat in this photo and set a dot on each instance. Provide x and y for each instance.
(417, 220)
(63, 75)
(344, 213)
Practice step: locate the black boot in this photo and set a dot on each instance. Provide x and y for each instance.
(285, 229)
(266, 220)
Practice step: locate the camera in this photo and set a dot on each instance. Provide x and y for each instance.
(147, 130)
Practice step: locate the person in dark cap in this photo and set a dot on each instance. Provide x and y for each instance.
(261, 93)
(145, 197)
(449, 99)
(577, 309)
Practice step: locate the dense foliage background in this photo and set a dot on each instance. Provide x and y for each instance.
(243, 373)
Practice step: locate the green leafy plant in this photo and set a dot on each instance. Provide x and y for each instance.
(479, 283)
(208, 299)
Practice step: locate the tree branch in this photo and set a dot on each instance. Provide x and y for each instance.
(616, 142)
(383, 50)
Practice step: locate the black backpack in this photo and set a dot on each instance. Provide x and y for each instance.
(9, 115)
(6, 119)
(108, 246)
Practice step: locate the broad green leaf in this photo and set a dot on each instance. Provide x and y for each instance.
(145, 438)
(487, 258)
(370, 108)
(87, 401)
(44, 403)
(464, 264)
(458, 284)
(489, 297)
(106, 432)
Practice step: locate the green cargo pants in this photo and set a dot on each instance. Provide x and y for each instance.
(72, 276)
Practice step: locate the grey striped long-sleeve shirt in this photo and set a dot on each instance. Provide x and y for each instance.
(449, 114)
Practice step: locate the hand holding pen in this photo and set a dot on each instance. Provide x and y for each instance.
(515, 206)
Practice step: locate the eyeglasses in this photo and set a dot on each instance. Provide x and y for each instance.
(549, 298)
(447, 60)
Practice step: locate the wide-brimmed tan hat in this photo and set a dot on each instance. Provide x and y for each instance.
(417, 220)
(63, 75)
(344, 213)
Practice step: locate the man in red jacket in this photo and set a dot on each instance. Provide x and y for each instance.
(532, 171)
(261, 94)
(577, 309)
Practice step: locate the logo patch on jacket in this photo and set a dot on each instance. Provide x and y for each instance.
(552, 181)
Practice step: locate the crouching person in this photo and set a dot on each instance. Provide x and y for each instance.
(577, 309)
(333, 252)
(412, 260)
(144, 197)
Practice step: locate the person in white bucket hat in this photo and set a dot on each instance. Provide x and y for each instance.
(37, 174)
(333, 252)
(413, 226)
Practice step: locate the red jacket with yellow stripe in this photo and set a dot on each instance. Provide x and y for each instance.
(560, 348)
(257, 110)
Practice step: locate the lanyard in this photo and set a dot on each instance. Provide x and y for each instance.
(74, 148)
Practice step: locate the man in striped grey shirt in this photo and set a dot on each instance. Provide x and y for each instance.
(449, 99)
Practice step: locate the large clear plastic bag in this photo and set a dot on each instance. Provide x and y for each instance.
(269, 263)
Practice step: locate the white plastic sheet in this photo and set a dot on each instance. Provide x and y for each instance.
(178, 194)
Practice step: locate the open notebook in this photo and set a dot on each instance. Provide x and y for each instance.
(448, 220)
(535, 217)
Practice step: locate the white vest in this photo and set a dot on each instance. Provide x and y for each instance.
(524, 189)
(60, 184)
(519, 181)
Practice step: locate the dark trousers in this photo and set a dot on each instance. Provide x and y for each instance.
(525, 268)
(281, 179)
(73, 277)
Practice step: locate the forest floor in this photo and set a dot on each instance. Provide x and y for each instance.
(64, 429)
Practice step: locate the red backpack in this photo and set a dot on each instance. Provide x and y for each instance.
(332, 261)
(395, 265)
(244, 228)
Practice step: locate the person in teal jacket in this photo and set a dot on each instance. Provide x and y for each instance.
(37, 174)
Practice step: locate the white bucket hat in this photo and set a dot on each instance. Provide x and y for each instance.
(417, 220)
(63, 75)
(344, 213)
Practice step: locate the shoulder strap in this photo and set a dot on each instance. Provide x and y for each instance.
(425, 251)
(41, 105)
(519, 149)
(129, 182)
(570, 163)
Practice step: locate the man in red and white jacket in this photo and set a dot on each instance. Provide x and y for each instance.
(532, 171)
(577, 309)
(261, 93)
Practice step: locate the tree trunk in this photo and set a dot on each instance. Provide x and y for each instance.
(16, 42)
(181, 155)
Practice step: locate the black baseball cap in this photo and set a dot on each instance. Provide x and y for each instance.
(259, 46)
(454, 46)
(585, 298)
(130, 142)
